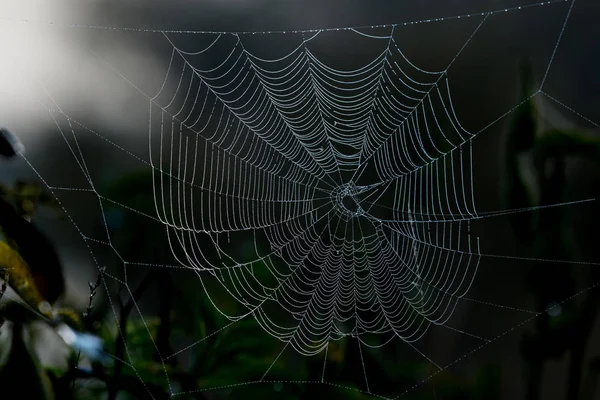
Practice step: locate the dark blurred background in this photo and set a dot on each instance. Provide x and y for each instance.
(76, 65)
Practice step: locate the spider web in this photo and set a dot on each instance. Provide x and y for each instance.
(323, 202)
(275, 165)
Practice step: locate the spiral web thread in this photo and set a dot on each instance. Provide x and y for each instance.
(356, 187)
(273, 166)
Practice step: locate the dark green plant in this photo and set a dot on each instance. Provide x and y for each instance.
(548, 234)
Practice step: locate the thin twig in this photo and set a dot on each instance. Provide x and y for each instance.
(121, 340)
(93, 287)
(93, 290)
(166, 294)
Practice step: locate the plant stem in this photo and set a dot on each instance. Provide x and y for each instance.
(536, 371)
(122, 332)
(93, 287)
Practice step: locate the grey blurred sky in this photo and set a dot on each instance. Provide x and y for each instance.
(61, 58)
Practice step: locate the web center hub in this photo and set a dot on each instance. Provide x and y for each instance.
(345, 200)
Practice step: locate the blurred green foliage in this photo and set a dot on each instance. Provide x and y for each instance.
(160, 353)
(548, 233)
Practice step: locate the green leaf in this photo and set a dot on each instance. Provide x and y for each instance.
(524, 123)
(560, 143)
(29, 256)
